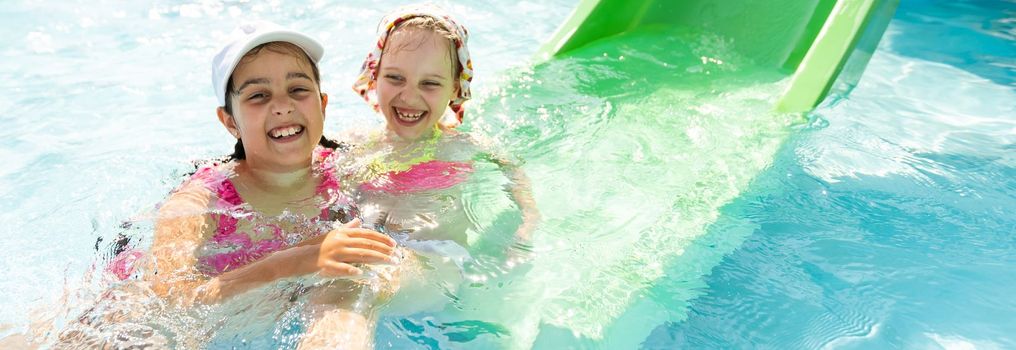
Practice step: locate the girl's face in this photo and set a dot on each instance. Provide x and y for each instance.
(415, 82)
(278, 110)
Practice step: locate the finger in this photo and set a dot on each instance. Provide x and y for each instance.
(371, 235)
(344, 232)
(356, 255)
(352, 223)
(338, 269)
(370, 244)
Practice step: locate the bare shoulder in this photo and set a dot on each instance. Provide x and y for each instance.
(464, 139)
(183, 219)
(457, 145)
(193, 197)
(480, 147)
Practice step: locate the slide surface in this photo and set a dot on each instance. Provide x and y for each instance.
(644, 120)
(815, 40)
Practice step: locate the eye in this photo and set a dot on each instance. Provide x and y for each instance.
(394, 78)
(299, 90)
(432, 83)
(257, 96)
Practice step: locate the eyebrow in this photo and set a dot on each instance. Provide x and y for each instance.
(298, 75)
(291, 75)
(439, 76)
(251, 82)
(431, 75)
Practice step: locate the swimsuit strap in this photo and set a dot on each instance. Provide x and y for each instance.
(425, 152)
(329, 189)
(227, 199)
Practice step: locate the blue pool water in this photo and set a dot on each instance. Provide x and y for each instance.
(883, 220)
(889, 222)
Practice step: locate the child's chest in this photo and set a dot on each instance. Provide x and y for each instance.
(425, 215)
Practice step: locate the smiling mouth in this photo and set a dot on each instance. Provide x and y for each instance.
(286, 132)
(408, 116)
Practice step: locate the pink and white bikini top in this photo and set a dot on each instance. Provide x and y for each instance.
(243, 235)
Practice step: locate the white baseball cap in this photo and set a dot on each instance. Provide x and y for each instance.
(246, 37)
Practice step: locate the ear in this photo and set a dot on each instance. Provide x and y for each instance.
(228, 121)
(324, 104)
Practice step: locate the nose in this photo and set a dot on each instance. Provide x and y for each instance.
(282, 106)
(409, 96)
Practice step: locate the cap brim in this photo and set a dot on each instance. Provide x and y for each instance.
(310, 46)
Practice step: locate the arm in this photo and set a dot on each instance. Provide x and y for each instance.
(521, 190)
(331, 255)
(182, 226)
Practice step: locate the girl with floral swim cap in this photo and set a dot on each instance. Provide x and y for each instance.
(408, 172)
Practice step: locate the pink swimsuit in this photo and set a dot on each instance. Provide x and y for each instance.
(426, 176)
(230, 248)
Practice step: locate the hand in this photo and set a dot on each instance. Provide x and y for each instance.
(331, 255)
(348, 245)
(520, 252)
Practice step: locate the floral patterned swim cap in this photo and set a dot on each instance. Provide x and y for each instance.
(365, 84)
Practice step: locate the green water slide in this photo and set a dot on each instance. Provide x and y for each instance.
(818, 41)
(646, 121)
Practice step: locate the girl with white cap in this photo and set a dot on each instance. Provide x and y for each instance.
(264, 214)
(267, 213)
(269, 216)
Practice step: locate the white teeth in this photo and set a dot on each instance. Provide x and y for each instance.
(286, 132)
(409, 117)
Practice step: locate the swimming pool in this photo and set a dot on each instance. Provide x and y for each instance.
(888, 222)
(882, 220)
